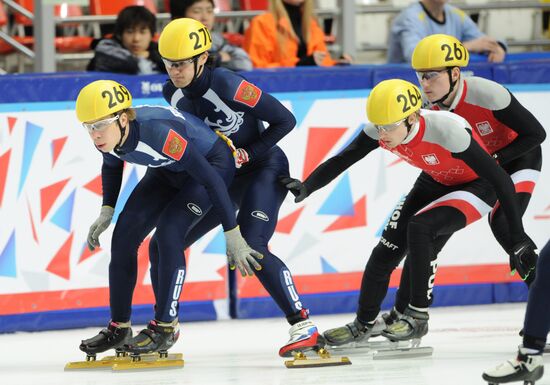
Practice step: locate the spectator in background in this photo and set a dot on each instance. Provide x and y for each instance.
(224, 54)
(428, 17)
(288, 35)
(131, 50)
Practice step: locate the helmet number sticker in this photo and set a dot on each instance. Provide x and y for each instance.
(117, 96)
(456, 52)
(410, 100)
(205, 38)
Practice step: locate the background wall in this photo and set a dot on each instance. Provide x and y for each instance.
(50, 192)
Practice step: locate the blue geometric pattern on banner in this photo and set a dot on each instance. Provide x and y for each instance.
(64, 214)
(327, 267)
(300, 108)
(7, 258)
(125, 193)
(350, 139)
(79, 318)
(216, 245)
(381, 228)
(340, 201)
(32, 137)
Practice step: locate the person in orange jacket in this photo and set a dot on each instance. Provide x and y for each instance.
(287, 36)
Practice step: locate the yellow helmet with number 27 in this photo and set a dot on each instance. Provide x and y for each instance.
(183, 39)
(439, 51)
(100, 99)
(392, 100)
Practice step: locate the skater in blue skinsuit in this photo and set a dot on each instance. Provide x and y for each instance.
(528, 365)
(188, 170)
(231, 105)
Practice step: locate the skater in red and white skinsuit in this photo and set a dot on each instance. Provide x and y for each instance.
(511, 134)
(459, 184)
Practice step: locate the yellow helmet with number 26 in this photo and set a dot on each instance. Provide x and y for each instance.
(100, 99)
(183, 39)
(392, 100)
(439, 51)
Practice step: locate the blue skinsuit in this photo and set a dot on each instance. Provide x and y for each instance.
(537, 315)
(188, 171)
(238, 109)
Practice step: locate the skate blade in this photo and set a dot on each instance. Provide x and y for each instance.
(424, 351)
(324, 359)
(104, 363)
(366, 346)
(151, 361)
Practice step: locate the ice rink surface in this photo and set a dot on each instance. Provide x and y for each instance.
(466, 341)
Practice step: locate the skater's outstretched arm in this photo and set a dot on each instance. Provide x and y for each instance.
(330, 169)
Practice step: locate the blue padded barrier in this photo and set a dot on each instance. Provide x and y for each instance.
(64, 86)
(535, 71)
(79, 318)
(346, 302)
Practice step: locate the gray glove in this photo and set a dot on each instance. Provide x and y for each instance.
(239, 254)
(99, 226)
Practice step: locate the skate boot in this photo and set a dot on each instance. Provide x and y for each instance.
(112, 337)
(406, 334)
(304, 337)
(156, 337)
(149, 348)
(412, 325)
(354, 332)
(525, 367)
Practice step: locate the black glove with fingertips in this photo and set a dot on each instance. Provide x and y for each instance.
(523, 258)
(296, 187)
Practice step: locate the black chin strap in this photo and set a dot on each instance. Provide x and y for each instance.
(197, 70)
(122, 133)
(451, 88)
(409, 126)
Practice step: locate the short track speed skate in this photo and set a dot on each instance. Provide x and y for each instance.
(304, 338)
(525, 367)
(406, 335)
(358, 337)
(112, 337)
(149, 349)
